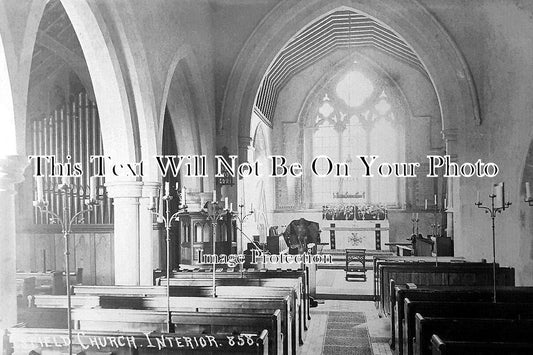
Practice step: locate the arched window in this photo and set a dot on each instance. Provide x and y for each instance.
(355, 113)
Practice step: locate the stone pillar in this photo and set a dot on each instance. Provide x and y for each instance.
(149, 238)
(126, 196)
(450, 139)
(11, 169)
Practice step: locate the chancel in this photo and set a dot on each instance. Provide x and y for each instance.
(266, 177)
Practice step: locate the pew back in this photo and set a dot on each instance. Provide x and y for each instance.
(470, 329)
(457, 310)
(449, 294)
(451, 274)
(447, 347)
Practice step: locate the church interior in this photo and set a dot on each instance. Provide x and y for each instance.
(266, 177)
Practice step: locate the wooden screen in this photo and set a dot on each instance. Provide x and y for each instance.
(72, 130)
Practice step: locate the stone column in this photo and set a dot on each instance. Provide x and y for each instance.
(149, 238)
(450, 139)
(245, 149)
(11, 169)
(126, 196)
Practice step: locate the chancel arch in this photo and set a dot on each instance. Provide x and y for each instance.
(409, 21)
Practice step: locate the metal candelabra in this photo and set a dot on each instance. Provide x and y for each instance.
(66, 221)
(214, 214)
(492, 210)
(241, 217)
(166, 218)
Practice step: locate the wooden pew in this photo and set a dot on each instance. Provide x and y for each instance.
(254, 287)
(451, 274)
(185, 304)
(230, 273)
(51, 283)
(457, 310)
(182, 322)
(454, 347)
(470, 329)
(25, 287)
(206, 291)
(222, 292)
(383, 259)
(449, 294)
(36, 341)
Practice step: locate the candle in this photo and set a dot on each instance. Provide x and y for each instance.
(177, 186)
(93, 186)
(416, 216)
(167, 188)
(151, 204)
(478, 198)
(160, 201)
(231, 206)
(226, 206)
(64, 180)
(445, 205)
(413, 216)
(528, 191)
(426, 204)
(214, 196)
(251, 207)
(183, 194)
(435, 198)
(40, 190)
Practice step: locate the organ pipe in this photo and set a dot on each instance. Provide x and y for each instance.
(72, 130)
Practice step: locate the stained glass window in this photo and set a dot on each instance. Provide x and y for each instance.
(355, 116)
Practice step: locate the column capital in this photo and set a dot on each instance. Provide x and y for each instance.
(245, 142)
(124, 189)
(11, 171)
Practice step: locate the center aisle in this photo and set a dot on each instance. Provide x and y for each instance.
(347, 327)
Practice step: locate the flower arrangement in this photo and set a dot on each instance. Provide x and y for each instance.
(371, 211)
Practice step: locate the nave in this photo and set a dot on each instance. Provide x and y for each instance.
(266, 176)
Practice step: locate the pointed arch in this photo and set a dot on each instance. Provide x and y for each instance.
(119, 131)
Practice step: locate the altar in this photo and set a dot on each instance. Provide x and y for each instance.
(364, 234)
